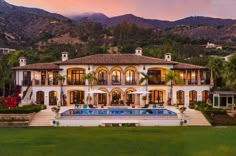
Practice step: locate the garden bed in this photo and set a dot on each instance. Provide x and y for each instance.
(222, 120)
(18, 117)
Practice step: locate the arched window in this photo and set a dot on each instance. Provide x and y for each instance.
(40, 97)
(76, 96)
(102, 77)
(205, 96)
(192, 97)
(130, 77)
(116, 77)
(52, 98)
(180, 97)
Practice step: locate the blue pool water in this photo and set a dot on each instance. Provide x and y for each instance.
(118, 112)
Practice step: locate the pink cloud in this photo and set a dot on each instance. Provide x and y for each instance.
(156, 9)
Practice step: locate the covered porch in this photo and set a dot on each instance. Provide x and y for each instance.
(224, 99)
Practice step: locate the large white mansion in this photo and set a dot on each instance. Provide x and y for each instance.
(117, 75)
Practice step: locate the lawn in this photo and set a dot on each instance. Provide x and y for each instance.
(118, 141)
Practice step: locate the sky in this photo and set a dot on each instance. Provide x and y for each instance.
(152, 9)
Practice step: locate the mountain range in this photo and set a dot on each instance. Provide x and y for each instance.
(153, 23)
(21, 25)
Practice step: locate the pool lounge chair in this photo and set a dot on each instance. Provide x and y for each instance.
(91, 106)
(145, 106)
(161, 105)
(77, 105)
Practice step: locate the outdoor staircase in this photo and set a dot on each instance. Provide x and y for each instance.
(42, 118)
(196, 118)
(26, 99)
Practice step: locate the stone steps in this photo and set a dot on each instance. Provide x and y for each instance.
(43, 118)
(196, 118)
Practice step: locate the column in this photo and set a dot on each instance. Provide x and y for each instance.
(198, 78)
(46, 81)
(212, 79)
(33, 82)
(186, 77)
(123, 78)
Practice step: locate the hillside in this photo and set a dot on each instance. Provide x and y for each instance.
(27, 26)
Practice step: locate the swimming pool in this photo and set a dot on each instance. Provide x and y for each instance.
(118, 112)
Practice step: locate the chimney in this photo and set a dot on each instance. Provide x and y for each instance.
(139, 51)
(64, 56)
(22, 61)
(168, 57)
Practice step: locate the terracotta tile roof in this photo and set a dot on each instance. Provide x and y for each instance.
(109, 59)
(116, 59)
(38, 66)
(180, 65)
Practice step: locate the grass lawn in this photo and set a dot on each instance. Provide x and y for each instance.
(118, 141)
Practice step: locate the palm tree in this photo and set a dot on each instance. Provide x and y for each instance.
(61, 79)
(230, 72)
(216, 65)
(172, 77)
(91, 81)
(145, 78)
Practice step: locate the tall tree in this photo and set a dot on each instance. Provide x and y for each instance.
(229, 74)
(61, 79)
(145, 78)
(216, 65)
(91, 78)
(174, 78)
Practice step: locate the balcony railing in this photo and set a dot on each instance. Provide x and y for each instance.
(130, 82)
(75, 82)
(115, 82)
(156, 83)
(102, 82)
(26, 82)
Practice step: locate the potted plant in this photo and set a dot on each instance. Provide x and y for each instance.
(56, 111)
(144, 98)
(133, 105)
(182, 109)
(88, 99)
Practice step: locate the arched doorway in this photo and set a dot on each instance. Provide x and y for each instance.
(205, 96)
(52, 98)
(40, 97)
(156, 96)
(180, 97)
(115, 97)
(192, 97)
(76, 96)
(130, 98)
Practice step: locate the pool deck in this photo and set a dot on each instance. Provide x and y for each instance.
(101, 120)
(194, 118)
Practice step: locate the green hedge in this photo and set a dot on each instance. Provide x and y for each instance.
(23, 110)
(215, 111)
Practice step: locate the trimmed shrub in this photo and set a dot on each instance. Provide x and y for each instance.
(22, 110)
(215, 111)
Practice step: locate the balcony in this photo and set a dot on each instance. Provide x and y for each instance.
(26, 82)
(156, 82)
(133, 82)
(102, 82)
(75, 82)
(115, 82)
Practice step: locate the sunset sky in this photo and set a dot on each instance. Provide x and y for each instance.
(154, 9)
